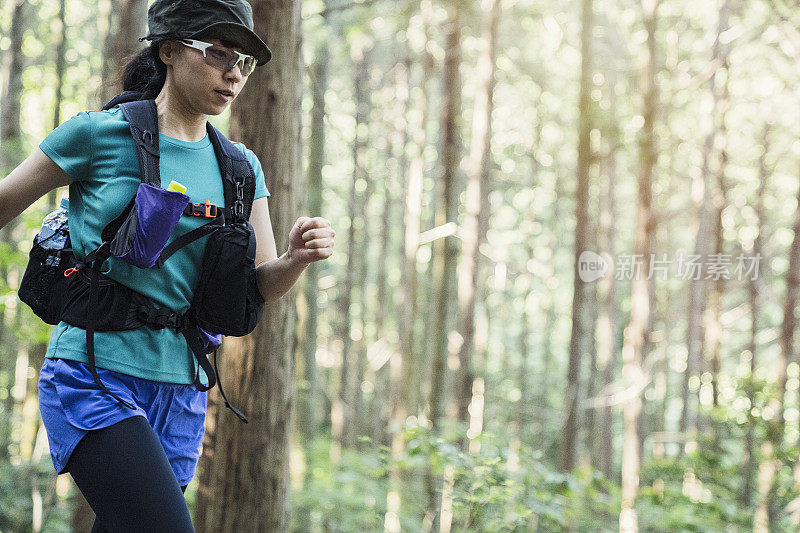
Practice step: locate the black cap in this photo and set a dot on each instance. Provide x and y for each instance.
(229, 20)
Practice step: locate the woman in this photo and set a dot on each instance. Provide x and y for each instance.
(132, 466)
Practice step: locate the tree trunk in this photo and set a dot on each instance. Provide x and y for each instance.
(581, 314)
(755, 290)
(10, 156)
(362, 92)
(342, 415)
(403, 365)
(445, 250)
(771, 462)
(633, 376)
(714, 329)
(308, 399)
(61, 48)
(10, 125)
(249, 479)
(107, 9)
(698, 286)
(126, 23)
(477, 186)
(309, 396)
(393, 195)
(606, 321)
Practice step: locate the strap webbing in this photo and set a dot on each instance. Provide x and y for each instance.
(142, 115)
(97, 263)
(188, 237)
(192, 335)
(227, 403)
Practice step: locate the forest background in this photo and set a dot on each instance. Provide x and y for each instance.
(564, 288)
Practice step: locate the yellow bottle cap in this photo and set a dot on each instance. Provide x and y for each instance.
(175, 186)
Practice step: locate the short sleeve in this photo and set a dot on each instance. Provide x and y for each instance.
(70, 146)
(261, 183)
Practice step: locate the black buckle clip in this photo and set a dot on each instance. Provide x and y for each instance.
(156, 318)
(206, 209)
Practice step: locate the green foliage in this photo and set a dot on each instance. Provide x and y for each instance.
(490, 490)
(16, 507)
(350, 496)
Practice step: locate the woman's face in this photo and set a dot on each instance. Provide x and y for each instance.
(198, 84)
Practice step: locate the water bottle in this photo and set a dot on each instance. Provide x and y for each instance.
(55, 231)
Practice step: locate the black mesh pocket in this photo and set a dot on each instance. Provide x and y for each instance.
(43, 285)
(227, 300)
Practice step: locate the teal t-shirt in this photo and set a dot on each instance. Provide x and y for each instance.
(96, 149)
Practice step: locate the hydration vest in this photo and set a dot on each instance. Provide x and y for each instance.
(227, 301)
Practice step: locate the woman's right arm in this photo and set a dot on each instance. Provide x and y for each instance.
(32, 179)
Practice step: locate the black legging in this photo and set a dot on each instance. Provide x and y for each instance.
(125, 476)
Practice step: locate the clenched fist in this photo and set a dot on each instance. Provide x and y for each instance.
(311, 239)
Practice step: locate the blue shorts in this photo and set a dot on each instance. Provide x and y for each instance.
(71, 405)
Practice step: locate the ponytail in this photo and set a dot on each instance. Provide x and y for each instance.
(145, 72)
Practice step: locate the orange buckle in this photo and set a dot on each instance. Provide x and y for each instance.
(209, 205)
(70, 271)
(206, 209)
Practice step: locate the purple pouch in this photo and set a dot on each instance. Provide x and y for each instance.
(210, 341)
(145, 231)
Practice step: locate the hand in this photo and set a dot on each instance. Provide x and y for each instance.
(310, 239)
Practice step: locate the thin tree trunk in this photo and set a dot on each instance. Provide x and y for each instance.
(771, 462)
(309, 401)
(249, 466)
(10, 125)
(61, 64)
(309, 397)
(796, 474)
(698, 287)
(606, 321)
(392, 196)
(755, 289)
(581, 314)
(403, 366)
(362, 93)
(445, 250)
(714, 329)
(10, 156)
(592, 366)
(478, 184)
(344, 405)
(632, 372)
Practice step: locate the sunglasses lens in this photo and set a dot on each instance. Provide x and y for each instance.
(218, 58)
(225, 60)
(248, 65)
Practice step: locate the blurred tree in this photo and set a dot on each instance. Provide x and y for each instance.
(755, 293)
(606, 327)
(633, 375)
(471, 237)
(445, 248)
(308, 399)
(581, 300)
(127, 22)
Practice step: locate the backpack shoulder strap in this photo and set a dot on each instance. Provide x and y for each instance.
(142, 115)
(237, 174)
(125, 96)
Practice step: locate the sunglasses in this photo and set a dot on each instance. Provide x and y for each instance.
(223, 58)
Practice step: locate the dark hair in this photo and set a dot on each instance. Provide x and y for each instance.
(145, 72)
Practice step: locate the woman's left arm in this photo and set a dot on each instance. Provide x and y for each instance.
(310, 239)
